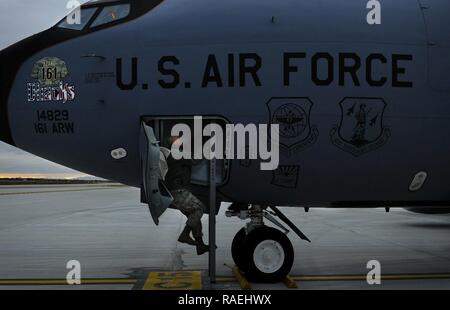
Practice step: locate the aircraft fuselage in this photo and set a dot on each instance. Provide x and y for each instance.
(363, 110)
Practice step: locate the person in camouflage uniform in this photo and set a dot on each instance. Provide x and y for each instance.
(177, 180)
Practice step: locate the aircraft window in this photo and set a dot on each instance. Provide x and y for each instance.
(111, 13)
(85, 17)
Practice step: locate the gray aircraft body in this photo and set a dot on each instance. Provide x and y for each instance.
(363, 110)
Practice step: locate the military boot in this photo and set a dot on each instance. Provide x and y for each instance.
(185, 237)
(202, 248)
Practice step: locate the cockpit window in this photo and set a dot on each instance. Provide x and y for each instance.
(111, 14)
(71, 22)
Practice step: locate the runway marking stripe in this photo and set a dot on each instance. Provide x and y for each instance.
(64, 282)
(192, 280)
(57, 191)
(364, 277)
(180, 280)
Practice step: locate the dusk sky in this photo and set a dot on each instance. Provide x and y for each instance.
(18, 20)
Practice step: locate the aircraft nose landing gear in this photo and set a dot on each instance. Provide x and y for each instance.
(263, 253)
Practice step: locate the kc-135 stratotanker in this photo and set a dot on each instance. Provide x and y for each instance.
(363, 110)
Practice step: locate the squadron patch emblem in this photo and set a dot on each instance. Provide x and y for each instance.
(49, 71)
(293, 117)
(49, 74)
(361, 129)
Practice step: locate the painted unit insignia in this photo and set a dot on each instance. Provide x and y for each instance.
(293, 117)
(49, 71)
(286, 176)
(49, 74)
(361, 129)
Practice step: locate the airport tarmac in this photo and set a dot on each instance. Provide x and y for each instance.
(111, 234)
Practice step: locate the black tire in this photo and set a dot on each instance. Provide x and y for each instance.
(237, 249)
(270, 236)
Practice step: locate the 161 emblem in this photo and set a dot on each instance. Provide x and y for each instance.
(49, 71)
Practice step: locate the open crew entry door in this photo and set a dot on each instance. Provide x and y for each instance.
(155, 133)
(155, 192)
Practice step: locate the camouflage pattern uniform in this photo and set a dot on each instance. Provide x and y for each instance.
(192, 208)
(177, 181)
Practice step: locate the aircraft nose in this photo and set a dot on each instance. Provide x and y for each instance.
(2, 101)
(11, 60)
(5, 132)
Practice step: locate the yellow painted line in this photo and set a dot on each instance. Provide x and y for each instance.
(192, 280)
(179, 280)
(243, 282)
(290, 279)
(330, 278)
(64, 282)
(364, 277)
(57, 191)
(225, 279)
(110, 281)
(415, 276)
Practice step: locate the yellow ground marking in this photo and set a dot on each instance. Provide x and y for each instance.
(290, 282)
(244, 284)
(225, 279)
(59, 191)
(173, 280)
(419, 276)
(179, 280)
(64, 282)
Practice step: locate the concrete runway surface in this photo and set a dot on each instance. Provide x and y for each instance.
(111, 234)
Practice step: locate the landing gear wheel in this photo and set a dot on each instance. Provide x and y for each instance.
(237, 249)
(268, 255)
